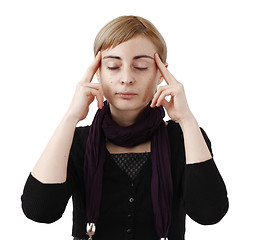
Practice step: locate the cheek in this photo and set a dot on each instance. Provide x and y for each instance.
(107, 88)
(105, 79)
(150, 89)
(152, 83)
(107, 85)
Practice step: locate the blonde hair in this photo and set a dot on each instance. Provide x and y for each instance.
(123, 28)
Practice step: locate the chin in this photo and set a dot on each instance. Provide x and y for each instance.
(129, 105)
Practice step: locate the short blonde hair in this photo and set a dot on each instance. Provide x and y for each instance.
(123, 28)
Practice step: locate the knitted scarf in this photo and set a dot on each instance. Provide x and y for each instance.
(149, 126)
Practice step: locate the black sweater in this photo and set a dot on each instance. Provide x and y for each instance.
(126, 206)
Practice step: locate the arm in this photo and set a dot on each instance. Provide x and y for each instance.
(46, 203)
(196, 148)
(205, 194)
(178, 110)
(53, 179)
(52, 164)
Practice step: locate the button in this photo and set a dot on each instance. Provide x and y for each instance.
(131, 200)
(132, 185)
(129, 215)
(129, 230)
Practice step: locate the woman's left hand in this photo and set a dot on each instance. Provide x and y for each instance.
(177, 107)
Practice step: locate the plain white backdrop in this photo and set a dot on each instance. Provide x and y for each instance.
(45, 48)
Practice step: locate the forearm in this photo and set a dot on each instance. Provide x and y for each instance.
(52, 164)
(196, 148)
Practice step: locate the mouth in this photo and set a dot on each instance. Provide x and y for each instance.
(126, 95)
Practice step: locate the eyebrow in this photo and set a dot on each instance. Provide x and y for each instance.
(143, 56)
(135, 58)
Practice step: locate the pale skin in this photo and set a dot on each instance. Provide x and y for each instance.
(128, 76)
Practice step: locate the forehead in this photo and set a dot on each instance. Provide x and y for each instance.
(136, 46)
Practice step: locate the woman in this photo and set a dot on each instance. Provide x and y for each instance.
(131, 175)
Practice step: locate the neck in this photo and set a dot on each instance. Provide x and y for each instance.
(123, 117)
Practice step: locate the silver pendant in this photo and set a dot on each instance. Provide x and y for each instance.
(91, 230)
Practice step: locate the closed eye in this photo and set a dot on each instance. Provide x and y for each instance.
(141, 68)
(113, 68)
(137, 68)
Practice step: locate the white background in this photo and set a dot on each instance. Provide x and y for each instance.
(46, 47)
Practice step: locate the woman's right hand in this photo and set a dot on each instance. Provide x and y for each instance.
(86, 91)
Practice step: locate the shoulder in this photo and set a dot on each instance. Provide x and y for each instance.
(77, 151)
(175, 134)
(174, 129)
(81, 131)
(80, 137)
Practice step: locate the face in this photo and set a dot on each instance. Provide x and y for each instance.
(129, 75)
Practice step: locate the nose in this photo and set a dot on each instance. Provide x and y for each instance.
(127, 77)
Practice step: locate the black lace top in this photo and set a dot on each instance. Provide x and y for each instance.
(131, 163)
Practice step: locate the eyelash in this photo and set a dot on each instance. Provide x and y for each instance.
(112, 68)
(141, 69)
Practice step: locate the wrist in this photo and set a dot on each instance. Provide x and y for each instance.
(70, 119)
(187, 120)
(196, 148)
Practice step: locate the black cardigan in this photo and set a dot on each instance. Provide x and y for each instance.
(126, 207)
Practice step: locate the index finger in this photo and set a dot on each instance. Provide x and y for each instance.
(92, 68)
(168, 77)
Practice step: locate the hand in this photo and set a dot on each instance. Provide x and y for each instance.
(86, 91)
(177, 107)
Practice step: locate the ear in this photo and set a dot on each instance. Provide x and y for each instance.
(161, 77)
(160, 80)
(98, 75)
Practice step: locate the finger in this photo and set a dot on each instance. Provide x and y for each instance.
(165, 104)
(155, 98)
(99, 97)
(100, 100)
(92, 90)
(157, 95)
(162, 96)
(97, 86)
(92, 68)
(168, 77)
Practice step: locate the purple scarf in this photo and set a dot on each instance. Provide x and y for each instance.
(149, 126)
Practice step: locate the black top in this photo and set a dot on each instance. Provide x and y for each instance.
(126, 206)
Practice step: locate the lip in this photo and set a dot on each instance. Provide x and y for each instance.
(126, 95)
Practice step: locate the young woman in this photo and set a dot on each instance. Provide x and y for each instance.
(131, 175)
